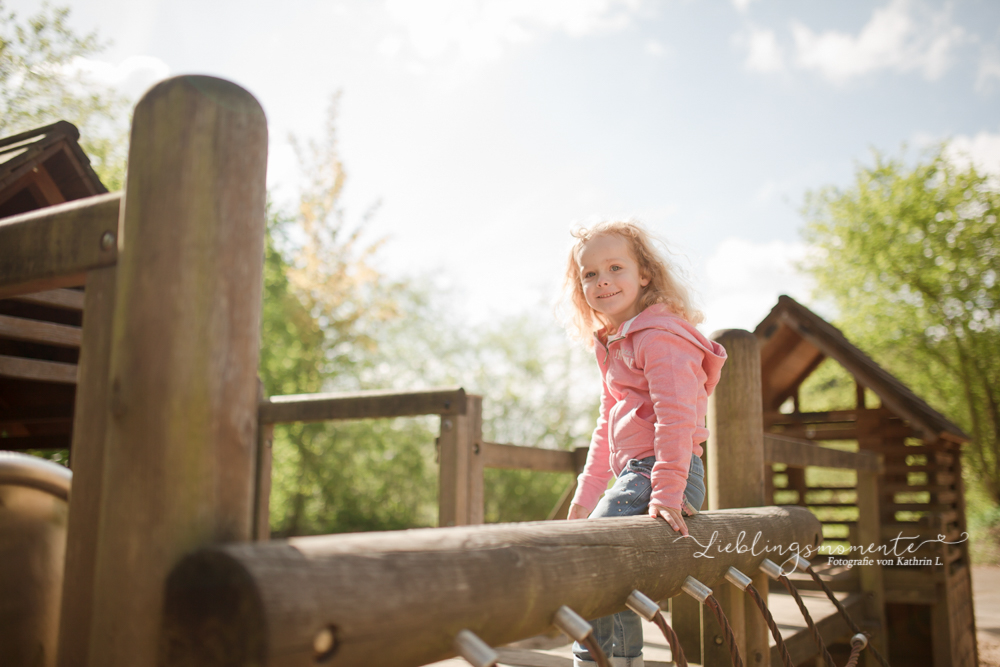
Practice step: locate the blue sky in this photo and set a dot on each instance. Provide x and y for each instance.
(487, 129)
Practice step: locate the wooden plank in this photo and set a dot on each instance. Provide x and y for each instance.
(869, 533)
(377, 404)
(459, 443)
(87, 458)
(19, 368)
(66, 299)
(800, 453)
(517, 457)
(36, 331)
(182, 411)
(735, 478)
(778, 418)
(477, 501)
(61, 240)
(502, 582)
(20, 443)
(42, 414)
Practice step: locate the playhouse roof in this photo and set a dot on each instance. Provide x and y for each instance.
(42, 167)
(794, 341)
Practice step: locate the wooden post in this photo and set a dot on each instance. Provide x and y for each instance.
(182, 409)
(262, 475)
(460, 486)
(735, 452)
(870, 533)
(88, 464)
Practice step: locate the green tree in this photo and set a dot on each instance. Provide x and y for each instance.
(39, 85)
(910, 255)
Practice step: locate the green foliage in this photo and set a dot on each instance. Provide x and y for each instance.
(39, 85)
(911, 256)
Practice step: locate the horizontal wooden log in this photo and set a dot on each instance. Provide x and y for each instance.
(399, 598)
(20, 443)
(65, 299)
(773, 418)
(36, 369)
(517, 457)
(800, 453)
(35, 331)
(61, 240)
(361, 405)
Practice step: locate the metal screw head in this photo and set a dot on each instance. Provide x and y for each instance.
(445, 424)
(107, 240)
(324, 644)
(718, 640)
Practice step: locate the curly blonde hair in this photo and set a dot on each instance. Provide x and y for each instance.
(666, 283)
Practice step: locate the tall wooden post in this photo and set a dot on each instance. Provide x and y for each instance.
(735, 471)
(460, 477)
(178, 468)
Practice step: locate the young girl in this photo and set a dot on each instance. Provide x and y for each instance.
(658, 371)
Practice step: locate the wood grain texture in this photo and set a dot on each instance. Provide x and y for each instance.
(20, 368)
(89, 429)
(68, 299)
(35, 331)
(362, 405)
(59, 240)
(182, 406)
(460, 476)
(802, 453)
(518, 457)
(263, 604)
(735, 478)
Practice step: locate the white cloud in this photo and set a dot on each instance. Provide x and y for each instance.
(744, 279)
(742, 5)
(480, 31)
(989, 69)
(982, 150)
(902, 36)
(764, 54)
(655, 49)
(131, 77)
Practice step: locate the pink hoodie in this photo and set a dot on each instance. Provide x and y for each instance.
(658, 373)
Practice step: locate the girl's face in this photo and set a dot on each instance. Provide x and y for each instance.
(611, 279)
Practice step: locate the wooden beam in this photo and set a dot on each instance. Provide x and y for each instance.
(265, 603)
(66, 299)
(376, 404)
(182, 408)
(801, 453)
(40, 414)
(61, 240)
(460, 479)
(37, 331)
(517, 457)
(36, 369)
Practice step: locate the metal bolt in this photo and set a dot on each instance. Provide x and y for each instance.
(107, 240)
(718, 640)
(445, 424)
(324, 644)
(475, 448)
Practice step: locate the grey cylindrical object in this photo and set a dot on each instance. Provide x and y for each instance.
(475, 651)
(738, 579)
(570, 622)
(642, 605)
(696, 589)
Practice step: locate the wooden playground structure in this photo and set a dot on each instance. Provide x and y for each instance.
(168, 558)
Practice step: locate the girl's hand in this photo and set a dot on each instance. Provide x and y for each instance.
(577, 512)
(671, 515)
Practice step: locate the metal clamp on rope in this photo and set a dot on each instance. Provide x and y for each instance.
(801, 563)
(575, 626)
(475, 651)
(642, 605)
(696, 589)
(860, 638)
(771, 569)
(738, 579)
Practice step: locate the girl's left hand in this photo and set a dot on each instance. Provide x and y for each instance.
(672, 517)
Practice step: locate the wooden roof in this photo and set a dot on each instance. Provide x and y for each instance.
(42, 167)
(794, 341)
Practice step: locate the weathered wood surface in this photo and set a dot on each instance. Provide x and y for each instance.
(801, 454)
(264, 603)
(20, 368)
(35, 331)
(735, 478)
(362, 405)
(800, 644)
(63, 240)
(182, 409)
(88, 469)
(518, 457)
(460, 477)
(66, 299)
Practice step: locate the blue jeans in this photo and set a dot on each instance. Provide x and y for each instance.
(620, 635)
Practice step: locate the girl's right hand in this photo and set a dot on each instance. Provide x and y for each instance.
(577, 512)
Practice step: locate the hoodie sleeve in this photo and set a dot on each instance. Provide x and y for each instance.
(593, 481)
(673, 369)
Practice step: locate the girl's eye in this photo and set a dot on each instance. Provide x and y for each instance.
(588, 274)
(616, 268)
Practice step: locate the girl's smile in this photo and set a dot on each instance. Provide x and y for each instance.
(611, 279)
